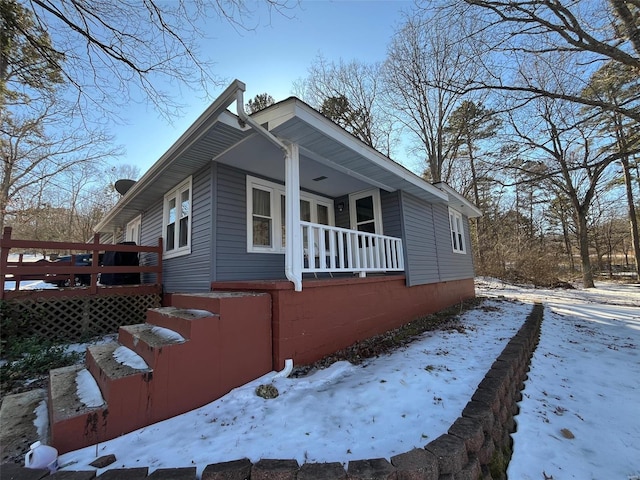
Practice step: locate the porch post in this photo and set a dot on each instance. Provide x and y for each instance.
(293, 249)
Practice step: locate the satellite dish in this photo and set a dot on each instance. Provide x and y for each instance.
(123, 185)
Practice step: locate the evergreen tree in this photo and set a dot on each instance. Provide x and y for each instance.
(259, 102)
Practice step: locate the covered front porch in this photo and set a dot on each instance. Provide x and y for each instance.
(316, 198)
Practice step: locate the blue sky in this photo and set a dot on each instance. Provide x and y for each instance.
(268, 59)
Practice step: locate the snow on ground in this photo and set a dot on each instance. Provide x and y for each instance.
(579, 415)
(29, 285)
(384, 407)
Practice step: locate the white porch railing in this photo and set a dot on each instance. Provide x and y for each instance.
(334, 249)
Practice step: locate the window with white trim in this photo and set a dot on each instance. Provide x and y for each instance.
(456, 225)
(176, 225)
(266, 214)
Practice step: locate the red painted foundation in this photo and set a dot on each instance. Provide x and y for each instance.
(331, 314)
(233, 336)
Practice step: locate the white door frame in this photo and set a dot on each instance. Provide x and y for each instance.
(377, 209)
(132, 233)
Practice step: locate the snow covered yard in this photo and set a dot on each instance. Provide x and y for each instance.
(579, 415)
(383, 407)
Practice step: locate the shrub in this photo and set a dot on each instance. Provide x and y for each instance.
(30, 359)
(12, 327)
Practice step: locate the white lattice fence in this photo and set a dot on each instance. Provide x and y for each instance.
(75, 318)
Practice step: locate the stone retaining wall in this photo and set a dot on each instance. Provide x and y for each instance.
(477, 446)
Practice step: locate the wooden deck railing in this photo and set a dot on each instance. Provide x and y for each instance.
(53, 271)
(342, 250)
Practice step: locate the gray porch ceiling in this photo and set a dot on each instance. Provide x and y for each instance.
(326, 144)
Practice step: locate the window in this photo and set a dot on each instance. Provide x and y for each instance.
(177, 220)
(457, 231)
(266, 214)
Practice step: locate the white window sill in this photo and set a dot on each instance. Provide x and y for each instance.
(176, 253)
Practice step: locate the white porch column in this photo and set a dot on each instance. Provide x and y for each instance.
(293, 249)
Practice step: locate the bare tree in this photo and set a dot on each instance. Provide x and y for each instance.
(591, 32)
(113, 53)
(617, 84)
(349, 94)
(427, 70)
(575, 166)
(64, 64)
(35, 149)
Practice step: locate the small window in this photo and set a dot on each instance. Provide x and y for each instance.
(456, 225)
(177, 220)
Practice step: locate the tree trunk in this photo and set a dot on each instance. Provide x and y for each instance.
(583, 242)
(476, 198)
(633, 219)
(567, 243)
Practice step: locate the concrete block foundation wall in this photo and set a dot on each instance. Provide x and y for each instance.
(477, 446)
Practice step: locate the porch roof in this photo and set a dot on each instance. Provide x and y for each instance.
(324, 147)
(326, 143)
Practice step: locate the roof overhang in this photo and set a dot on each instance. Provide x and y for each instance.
(325, 142)
(458, 202)
(324, 146)
(214, 128)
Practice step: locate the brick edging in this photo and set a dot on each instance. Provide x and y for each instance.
(478, 444)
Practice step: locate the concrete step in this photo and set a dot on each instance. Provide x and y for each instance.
(19, 414)
(76, 418)
(183, 357)
(252, 304)
(183, 321)
(115, 377)
(150, 341)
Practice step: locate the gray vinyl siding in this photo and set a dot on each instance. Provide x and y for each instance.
(342, 218)
(391, 214)
(106, 238)
(150, 232)
(453, 266)
(186, 273)
(191, 273)
(232, 261)
(421, 250)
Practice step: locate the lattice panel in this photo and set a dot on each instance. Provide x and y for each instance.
(77, 318)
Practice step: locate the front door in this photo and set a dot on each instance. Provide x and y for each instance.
(366, 216)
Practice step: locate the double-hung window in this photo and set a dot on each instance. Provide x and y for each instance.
(456, 225)
(266, 232)
(177, 220)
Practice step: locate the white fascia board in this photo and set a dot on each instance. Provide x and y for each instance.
(458, 202)
(295, 108)
(192, 134)
(277, 114)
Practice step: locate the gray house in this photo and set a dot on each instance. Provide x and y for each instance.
(287, 194)
(284, 240)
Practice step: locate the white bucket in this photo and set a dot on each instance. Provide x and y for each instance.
(41, 456)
